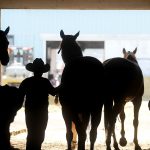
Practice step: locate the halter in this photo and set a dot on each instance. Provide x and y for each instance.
(59, 50)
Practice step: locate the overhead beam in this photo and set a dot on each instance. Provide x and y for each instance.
(76, 4)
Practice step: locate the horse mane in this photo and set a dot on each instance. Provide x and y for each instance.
(69, 48)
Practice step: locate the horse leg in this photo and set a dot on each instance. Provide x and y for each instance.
(137, 105)
(115, 141)
(123, 141)
(81, 122)
(107, 111)
(111, 127)
(68, 121)
(74, 141)
(95, 120)
(118, 104)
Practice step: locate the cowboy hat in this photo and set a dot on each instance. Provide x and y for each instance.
(38, 66)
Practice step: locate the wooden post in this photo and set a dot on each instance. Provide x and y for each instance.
(0, 63)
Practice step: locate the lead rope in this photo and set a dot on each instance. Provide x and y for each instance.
(14, 133)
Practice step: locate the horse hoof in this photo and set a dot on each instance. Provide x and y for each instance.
(116, 146)
(13, 148)
(123, 141)
(108, 148)
(137, 147)
(73, 144)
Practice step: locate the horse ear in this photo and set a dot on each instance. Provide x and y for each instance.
(76, 35)
(135, 50)
(7, 30)
(124, 51)
(62, 34)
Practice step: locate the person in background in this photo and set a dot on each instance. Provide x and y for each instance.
(36, 90)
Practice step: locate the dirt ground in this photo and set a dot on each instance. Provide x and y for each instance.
(55, 132)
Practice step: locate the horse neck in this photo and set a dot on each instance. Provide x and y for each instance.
(71, 54)
(68, 59)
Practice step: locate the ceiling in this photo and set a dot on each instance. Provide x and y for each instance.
(76, 4)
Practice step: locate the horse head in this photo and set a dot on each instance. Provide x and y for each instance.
(130, 55)
(4, 57)
(69, 47)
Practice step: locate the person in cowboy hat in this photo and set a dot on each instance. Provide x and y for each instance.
(36, 89)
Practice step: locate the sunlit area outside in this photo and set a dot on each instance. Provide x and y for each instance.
(103, 34)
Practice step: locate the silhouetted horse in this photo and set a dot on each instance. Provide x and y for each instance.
(80, 91)
(9, 106)
(9, 102)
(124, 80)
(4, 57)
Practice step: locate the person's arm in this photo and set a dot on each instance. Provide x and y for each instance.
(21, 92)
(18, 102)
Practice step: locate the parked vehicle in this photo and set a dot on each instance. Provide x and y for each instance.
(14, 74)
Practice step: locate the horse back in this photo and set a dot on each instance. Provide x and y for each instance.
(82, 83)
(124, 77)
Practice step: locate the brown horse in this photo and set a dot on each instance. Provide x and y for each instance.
(124, 82)
(80, 91)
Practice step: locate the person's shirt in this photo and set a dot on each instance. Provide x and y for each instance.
(36, 91)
